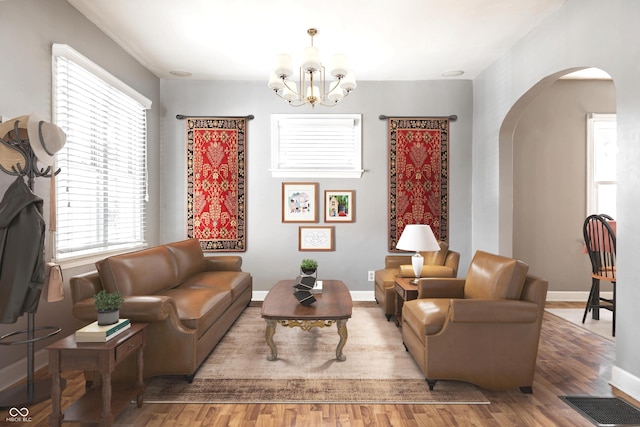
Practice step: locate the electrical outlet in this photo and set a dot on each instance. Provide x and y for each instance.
(370, 276)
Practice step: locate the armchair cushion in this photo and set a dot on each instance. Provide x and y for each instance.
(425, 316)
(494, 277)
(438, 257)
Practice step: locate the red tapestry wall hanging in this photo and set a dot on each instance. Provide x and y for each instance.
(418, 175)
(216, 182)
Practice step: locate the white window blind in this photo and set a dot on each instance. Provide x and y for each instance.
(316, 145)
(101, 189)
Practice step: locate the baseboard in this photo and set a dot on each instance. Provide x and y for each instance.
(625, 382)
(570, 296)
(17, 372)
(355, 295)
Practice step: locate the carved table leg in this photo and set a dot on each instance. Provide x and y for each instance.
(342, 331)
(268, 334)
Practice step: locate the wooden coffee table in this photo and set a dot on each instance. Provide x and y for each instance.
(333, 305)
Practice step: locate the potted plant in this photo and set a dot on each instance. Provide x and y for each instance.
(308, 266)
(108, 306)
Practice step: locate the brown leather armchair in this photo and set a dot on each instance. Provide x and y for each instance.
(483, 329)
(443, 263)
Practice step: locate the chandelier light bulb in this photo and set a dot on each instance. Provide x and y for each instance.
(348, 83)
(284, 68)
(275, 83)
(339, 66)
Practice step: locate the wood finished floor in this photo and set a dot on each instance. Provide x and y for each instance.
(569, 363)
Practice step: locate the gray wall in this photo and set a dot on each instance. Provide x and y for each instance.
(583, 33)
(549, 180)
(272, 247)
(28, 28)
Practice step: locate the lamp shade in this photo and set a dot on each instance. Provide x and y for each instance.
(419, 238)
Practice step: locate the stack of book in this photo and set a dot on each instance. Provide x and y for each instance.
(97, 333)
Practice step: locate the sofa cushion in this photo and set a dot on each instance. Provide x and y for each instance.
(145, 272)
(188, 258)
(233, 281)
(425, 316)
(199, 308)
(436, 257)
(494, 277)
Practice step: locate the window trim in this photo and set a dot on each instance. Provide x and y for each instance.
(59, 49)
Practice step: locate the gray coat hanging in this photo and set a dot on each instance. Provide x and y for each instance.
(22, 233)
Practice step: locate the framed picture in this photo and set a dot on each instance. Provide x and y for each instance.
(299, 202)
(316, 238)
(339, 206)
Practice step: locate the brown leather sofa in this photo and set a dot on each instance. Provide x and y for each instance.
(189, 301)
(483, 329)
(443, 263)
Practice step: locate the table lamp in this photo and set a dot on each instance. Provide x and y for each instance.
(419, 238)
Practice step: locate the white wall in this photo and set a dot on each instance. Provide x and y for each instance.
(583, 33)
(272, 247)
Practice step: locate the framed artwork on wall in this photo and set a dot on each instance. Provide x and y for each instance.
(316, 238)
(299, 202)
(339, 206)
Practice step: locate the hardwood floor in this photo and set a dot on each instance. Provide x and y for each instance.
(571, 361)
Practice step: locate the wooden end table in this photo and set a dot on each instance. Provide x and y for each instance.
(333, 305)
(405, 291)
(101, 357)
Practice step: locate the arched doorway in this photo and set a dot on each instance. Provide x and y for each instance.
(543, 178)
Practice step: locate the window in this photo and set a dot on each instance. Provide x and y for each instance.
(601, 164)
(101, 188)
(316, 145)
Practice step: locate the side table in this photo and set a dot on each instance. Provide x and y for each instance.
(405, 291)
(101, 357)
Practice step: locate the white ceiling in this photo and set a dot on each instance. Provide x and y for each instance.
(383, 40)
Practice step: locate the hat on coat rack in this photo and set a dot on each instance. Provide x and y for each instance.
(45, 139)
(9, 156)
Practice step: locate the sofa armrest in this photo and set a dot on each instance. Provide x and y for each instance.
(85, 286)
(492, 311)
(452, 261)
(395, 261)
(427, 271)
(224, 263)
(152, 308)
(440, 287)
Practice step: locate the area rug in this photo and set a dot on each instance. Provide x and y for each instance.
(377, 368)
(216, 182)
(418, 175)
(602, 327)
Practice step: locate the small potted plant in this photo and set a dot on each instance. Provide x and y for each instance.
(108, 306)
(308, 266)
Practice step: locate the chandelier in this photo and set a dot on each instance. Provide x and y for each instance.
(312, 87)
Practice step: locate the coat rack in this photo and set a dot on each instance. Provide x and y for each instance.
(33, 391)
